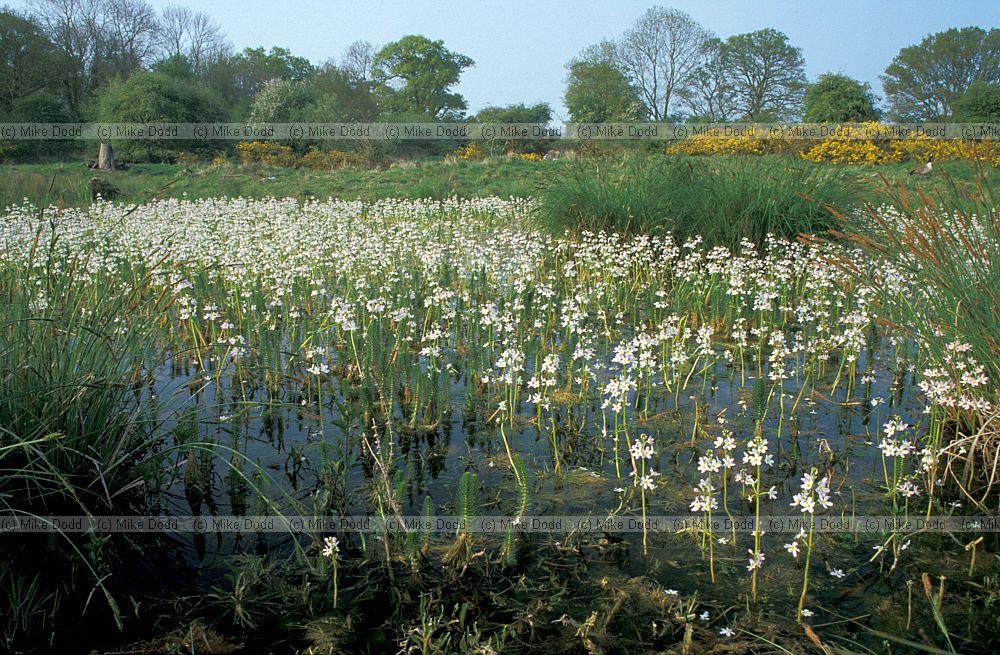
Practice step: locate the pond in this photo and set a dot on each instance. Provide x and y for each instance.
(571, 437)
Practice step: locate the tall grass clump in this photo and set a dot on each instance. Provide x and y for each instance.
(75, 436)
(946, 245)
(631, 195)
(72, 350)
(722, 200)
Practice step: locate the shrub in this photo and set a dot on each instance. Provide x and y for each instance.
(921, 149)
(838, 151)
(149, 97)
(38, 107)
(330, 160)
(471, 152)
(851, 145)
(704, 144)
(265, 152)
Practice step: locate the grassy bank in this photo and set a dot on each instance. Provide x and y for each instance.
(66, 183)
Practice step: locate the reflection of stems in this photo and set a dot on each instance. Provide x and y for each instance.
(694, 430)
(725, 504)
(756, 527)
(357, 360)
(805, 383)
(614, 438)
(510, 456)
(555, 445)
(805, 575)
(711, 539)
(335, 582)
(644, 538)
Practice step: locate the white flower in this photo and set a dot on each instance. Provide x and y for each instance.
(837, 573)
(670, 592)
(331, 547)
(727, 632)
(793, 549)
(807, 612)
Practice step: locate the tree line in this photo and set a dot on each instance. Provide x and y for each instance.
(122, 61)
(669, 67)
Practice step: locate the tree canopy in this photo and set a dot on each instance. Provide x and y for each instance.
(980, 104)
(416, 74)
(29, 61)
(151, 97)
(660, 53)
(597, 91)
(836, 98)
(768, 75)
(924, 81)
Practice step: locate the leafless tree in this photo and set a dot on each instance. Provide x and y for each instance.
(73, 26)
(660, 53)
(357, 60)
(129, 34)
(710, 93)
(102, 37)
(193, 35)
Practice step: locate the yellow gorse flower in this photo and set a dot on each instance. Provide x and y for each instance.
(851, 145)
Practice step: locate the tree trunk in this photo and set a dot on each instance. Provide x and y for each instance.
(106, 158)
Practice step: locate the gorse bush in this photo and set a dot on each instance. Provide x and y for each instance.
(723, 201)
(265, 152)
(853, 143)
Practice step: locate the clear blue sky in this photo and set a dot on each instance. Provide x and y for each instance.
(521, 47)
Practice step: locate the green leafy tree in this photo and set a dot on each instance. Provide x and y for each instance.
(416, 74)
(598, 91)
(539, 114)
(835, 98)
(39, 107)
(29, 61)
(238, 79)
(254, 67)
(980, 104)
(150, 97)
(768, 75)
(343, 95)
(176, 66)
(924, 81)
